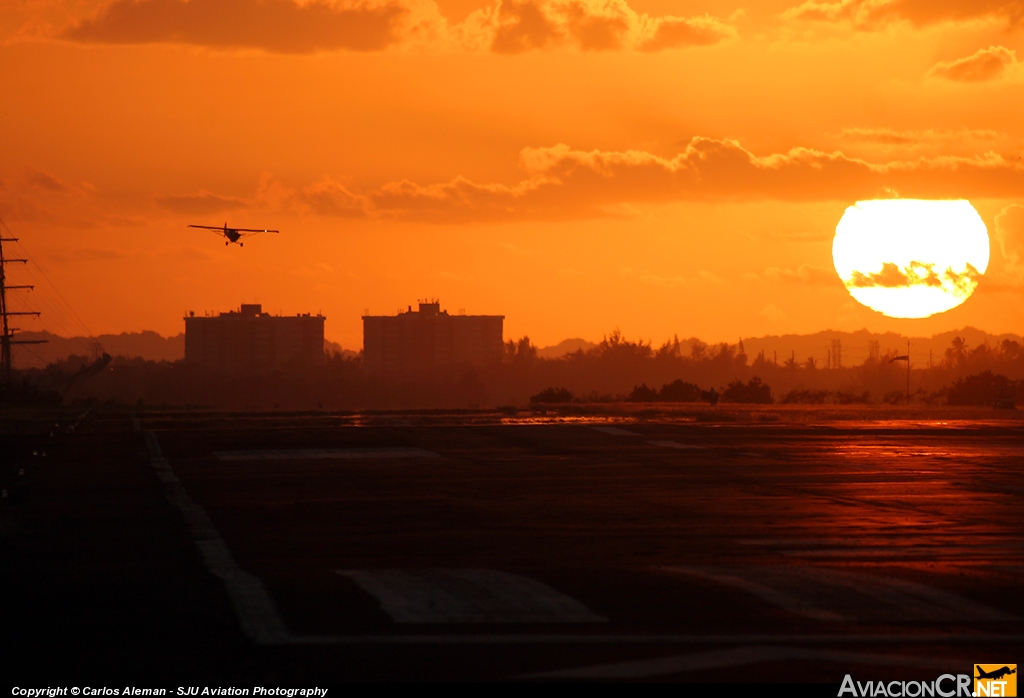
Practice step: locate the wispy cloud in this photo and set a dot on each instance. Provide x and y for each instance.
(561, 183)
(590, 25)
(805, 274)
(871, 15)
(888, 136)
(200, 204)
(984, 65)
(1009, 232)
(46, 181)
(39, 196)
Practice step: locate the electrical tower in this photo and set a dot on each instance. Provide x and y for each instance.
(873, 351)
(7, 338)
(837, 353)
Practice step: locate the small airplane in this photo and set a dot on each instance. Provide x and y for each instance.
(995, 674)
(233, 234)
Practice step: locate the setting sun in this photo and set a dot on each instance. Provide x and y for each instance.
(909, 258)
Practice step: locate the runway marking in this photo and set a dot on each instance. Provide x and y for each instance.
(772, 595)
(818, 592)
(740, 656)
(615, 431)
(252, 603)
(468, 596)
(675, 444)
(324, 453)
(261, 623)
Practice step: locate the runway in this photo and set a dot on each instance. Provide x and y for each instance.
(467, 547)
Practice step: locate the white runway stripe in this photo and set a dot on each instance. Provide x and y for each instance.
(827, 594)
(468, 596)
(906, 599)
(771, 594)
(740, 656)
(252, 603)
(674, 444)
(324, 453)
(615, 431)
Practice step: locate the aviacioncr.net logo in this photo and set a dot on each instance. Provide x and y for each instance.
(946, 686)
(995, 680)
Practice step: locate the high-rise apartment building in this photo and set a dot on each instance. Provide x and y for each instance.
(250, 339)
(429, 342)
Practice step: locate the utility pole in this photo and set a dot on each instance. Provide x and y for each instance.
(905, 357)
(7, 337)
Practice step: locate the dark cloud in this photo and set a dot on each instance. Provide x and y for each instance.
(674, 32)
(300, 27)
(280, 26)
(596, 32)
(524, 26)
(917, 274)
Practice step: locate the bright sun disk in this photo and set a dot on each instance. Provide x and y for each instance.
(911, 258)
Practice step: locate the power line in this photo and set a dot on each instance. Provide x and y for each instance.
(67, 312)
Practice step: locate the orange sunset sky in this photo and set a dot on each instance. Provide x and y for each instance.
(662, 167)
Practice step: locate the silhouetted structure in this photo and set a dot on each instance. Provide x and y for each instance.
(251, 339)
(6, 331)
(429, 342)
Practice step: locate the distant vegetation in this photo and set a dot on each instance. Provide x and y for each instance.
(753, 392)
(614, 370)
(551, 396)
(983, 389)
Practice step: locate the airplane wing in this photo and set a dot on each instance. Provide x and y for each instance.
(254, 230)
(208, 227)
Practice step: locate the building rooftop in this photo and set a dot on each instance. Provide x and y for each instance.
(246, 311)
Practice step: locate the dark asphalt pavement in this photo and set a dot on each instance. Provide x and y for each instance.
(297, 549)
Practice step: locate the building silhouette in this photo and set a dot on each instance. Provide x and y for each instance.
(249, 339)
(429, 342)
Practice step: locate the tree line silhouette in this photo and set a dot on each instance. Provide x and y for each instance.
(616, 369)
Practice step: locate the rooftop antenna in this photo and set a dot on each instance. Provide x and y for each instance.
(7, 337)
